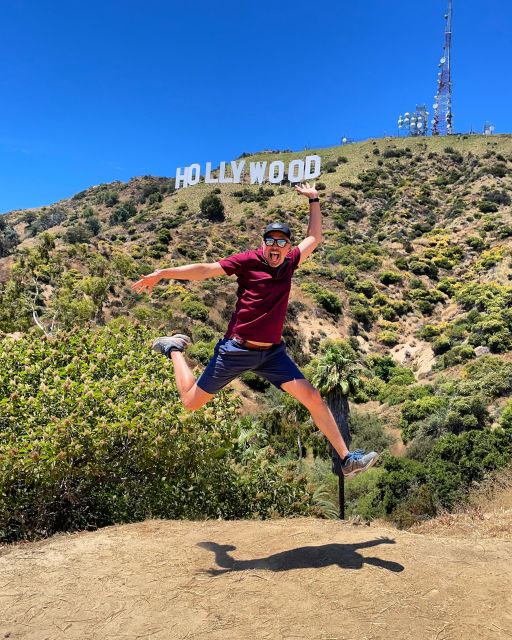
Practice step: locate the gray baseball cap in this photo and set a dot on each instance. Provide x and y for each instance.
(278, 226)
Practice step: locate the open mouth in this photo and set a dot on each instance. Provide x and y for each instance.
(274, 256)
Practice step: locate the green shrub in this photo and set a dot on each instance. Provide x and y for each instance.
(9, 239)
(413, 411)
(499, 197)
(77, 234)
(94, 434)
(466, 414)
(93, 224)
(323, 297)
(390, 277)
(441, 345)
(203, 333)
(361, 496)
(254, 382)
(388, 338)
(108, 197)
(48, 218)
(202, 351)
(249, 195)
(484, 296)
(476, 243)
(395, 153)
(401, 376)
(395, 393)
(456, 355)
(154, 198)
(381, 366)
(489, 374)
(122, 213)
(157, 250)
(194, 309)
(498, 170)
(163, 235)
(212, 208)
(487, 207)
(368, 432)
(493, 331)
(506, 416)
(366, 287)
(401, 478)
(361, 310)
(446, 286)
(429, 331)
(457, 462)
(423, 267)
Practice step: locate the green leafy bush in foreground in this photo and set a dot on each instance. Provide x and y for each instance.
(92, 433)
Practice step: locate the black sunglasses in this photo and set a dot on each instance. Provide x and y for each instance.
(281, 242)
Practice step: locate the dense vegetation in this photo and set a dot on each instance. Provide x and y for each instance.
(415, 272)
(93, 433)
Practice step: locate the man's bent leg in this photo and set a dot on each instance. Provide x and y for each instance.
(310, 397)
(192, 396)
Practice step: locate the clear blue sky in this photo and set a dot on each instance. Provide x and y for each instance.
(94, 91)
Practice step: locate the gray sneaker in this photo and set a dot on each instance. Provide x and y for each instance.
(177, 342)
(357, 462)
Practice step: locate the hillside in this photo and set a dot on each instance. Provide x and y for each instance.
(405, 220)
(413, 276)
(280, 579)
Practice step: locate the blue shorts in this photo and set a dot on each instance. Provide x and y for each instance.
(231, 360)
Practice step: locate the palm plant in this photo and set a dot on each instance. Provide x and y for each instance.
(337, 372)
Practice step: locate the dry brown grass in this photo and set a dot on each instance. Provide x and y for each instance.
(488, 514)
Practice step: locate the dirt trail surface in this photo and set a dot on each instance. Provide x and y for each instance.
(282, 579)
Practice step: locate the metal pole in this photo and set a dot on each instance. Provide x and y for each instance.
(341, 493)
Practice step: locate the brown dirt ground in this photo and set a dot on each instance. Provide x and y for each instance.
(282, 579)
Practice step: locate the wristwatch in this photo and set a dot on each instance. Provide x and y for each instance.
(314, 200)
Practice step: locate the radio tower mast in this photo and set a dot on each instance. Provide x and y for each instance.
(442, 122)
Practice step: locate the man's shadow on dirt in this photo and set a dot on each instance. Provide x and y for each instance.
(343, 555)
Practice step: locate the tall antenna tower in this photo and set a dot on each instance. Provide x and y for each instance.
(442, 122)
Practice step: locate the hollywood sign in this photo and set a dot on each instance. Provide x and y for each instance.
(259, 172)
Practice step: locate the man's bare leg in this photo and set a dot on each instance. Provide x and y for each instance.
(191, 395)
(305, 393)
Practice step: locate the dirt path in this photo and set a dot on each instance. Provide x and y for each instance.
(282, 579)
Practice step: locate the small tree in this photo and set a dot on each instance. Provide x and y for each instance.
(212, 208)
(337, 373)
(9, 239)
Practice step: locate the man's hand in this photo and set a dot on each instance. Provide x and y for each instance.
(147, 282)
(306, 190)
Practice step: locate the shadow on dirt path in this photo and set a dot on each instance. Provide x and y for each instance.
(344, 556)
(278, 579)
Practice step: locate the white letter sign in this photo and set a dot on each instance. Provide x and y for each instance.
(257, 171)
(237, 169)
(274, 177)
(297, 171)
(208, 178)
(181, 177)
(193, 174)
(311, 172)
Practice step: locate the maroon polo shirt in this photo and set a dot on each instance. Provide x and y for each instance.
(262, 294)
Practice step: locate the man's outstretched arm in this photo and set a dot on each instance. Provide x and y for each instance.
(200, 271)
(314, 234)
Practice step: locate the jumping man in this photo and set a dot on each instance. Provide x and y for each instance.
(253, 338)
